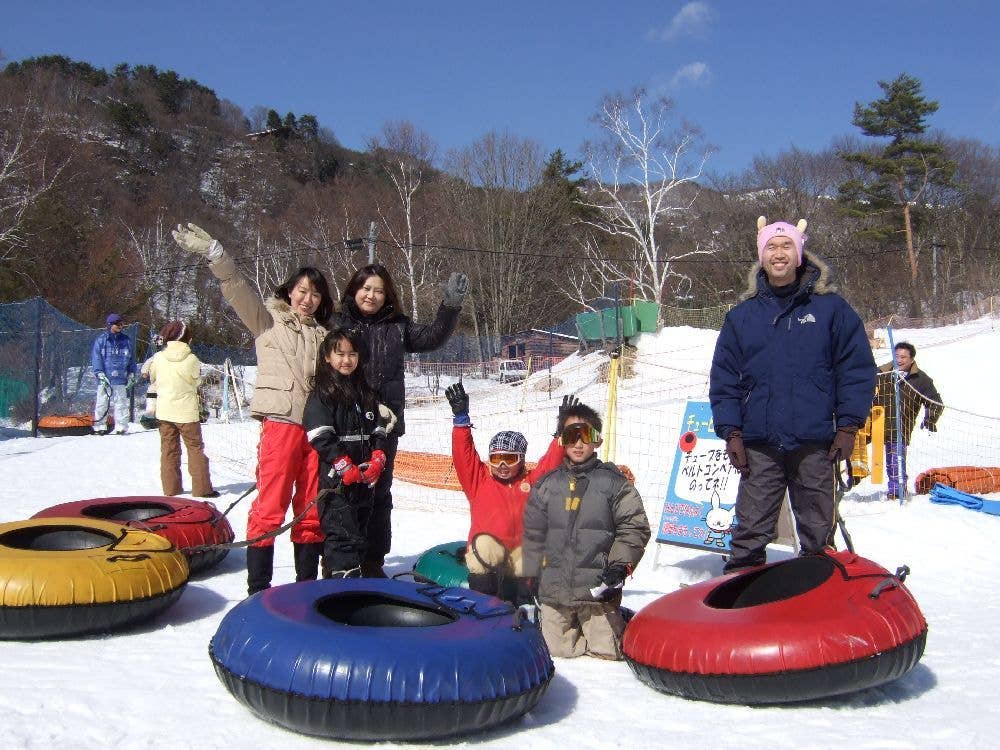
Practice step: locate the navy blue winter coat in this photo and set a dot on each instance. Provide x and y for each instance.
(114, 355)
(790, 375)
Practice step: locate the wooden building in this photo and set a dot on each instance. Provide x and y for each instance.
(541, 346)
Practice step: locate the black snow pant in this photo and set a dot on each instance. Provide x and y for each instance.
(378, 519)
(808, 476)
(341, 516)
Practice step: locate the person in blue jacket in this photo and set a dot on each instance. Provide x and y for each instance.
(792, 380)
(113, 361)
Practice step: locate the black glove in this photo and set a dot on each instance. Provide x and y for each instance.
(737, 452)
(612, 580)
(843, 443)
(614, 575)
(527, 589)
(929, 426)
(569, 403)
(458, 399)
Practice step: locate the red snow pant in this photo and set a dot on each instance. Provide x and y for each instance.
(287, 472)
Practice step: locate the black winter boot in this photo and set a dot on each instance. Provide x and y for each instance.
(372, 569)
(260, 568)
(484, 583)
(307, 560)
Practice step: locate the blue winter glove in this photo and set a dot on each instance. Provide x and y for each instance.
(455, 289)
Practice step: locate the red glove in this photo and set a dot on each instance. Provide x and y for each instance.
(374, 470)
(347, 470)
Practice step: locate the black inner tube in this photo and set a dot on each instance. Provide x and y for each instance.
(773, 583)
(127, 511)
(57, 538)
(367, 609)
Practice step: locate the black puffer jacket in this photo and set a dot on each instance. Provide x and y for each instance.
(342, 429)
(390, 336)
(916, 390)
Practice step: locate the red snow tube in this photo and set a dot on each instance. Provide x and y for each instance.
(189, 524)
(802, 629)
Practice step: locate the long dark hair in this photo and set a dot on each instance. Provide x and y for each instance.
(333, 387)
(325, 309)
(361, 276)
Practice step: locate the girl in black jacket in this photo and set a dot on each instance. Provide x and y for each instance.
(343, 426)
(370, 305)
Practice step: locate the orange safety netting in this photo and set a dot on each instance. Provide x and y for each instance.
(438, 471)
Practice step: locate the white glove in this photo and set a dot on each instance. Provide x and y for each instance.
(194, 239)
(387, 415)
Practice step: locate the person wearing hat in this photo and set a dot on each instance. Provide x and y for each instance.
(175, 373)
(497, 491)
(585, 531)
(791, 382)
(113, 360)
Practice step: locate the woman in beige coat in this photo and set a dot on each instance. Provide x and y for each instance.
(176, 374)
(287, 330)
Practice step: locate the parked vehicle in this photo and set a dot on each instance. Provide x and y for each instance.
(512, 370)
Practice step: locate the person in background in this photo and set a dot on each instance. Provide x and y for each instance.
(497, 492)
(148, 418)
(916, 390)
(585, 530)
(343, 423)
(791, 382)
(175, 374)
(288, 329)
(370, 305)
(113, 360)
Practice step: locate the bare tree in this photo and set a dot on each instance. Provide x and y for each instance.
(643, 177)
(25, 175)
(500, 207)
(405, 155)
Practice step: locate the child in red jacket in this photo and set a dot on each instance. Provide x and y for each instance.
(497, 491)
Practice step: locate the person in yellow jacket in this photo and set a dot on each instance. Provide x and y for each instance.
(176, 373)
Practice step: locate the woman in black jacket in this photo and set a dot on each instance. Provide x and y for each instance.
(370, 305)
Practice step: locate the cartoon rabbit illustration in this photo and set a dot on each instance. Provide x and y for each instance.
(719, 521)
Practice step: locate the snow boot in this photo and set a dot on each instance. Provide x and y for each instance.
(372, 569)
(484, 583)
(307, 560)
(260, 568)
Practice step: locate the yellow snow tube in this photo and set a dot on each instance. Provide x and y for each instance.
(69, 576)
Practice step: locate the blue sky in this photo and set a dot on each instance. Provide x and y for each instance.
(757, 76)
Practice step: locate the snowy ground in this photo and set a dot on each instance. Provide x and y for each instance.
(155, 687)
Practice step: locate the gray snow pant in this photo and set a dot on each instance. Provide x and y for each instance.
(111, 400)
(808, 476)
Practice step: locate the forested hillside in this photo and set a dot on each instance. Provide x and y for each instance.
(96, 166)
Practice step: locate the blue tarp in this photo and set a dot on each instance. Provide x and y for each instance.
(946, 495)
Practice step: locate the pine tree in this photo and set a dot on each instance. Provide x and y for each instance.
(895, 179)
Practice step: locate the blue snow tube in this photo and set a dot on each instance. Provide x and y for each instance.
(380, 659)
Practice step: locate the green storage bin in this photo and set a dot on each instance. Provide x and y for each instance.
(589, 324)
(630, 325)
(648, 315)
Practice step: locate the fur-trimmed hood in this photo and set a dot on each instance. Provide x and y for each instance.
(814, 272)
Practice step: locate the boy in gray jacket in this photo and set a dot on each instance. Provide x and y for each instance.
(584, 532)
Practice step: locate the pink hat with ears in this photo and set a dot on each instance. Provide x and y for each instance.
(767, 231)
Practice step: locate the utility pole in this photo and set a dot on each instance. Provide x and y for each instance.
(371, 243)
